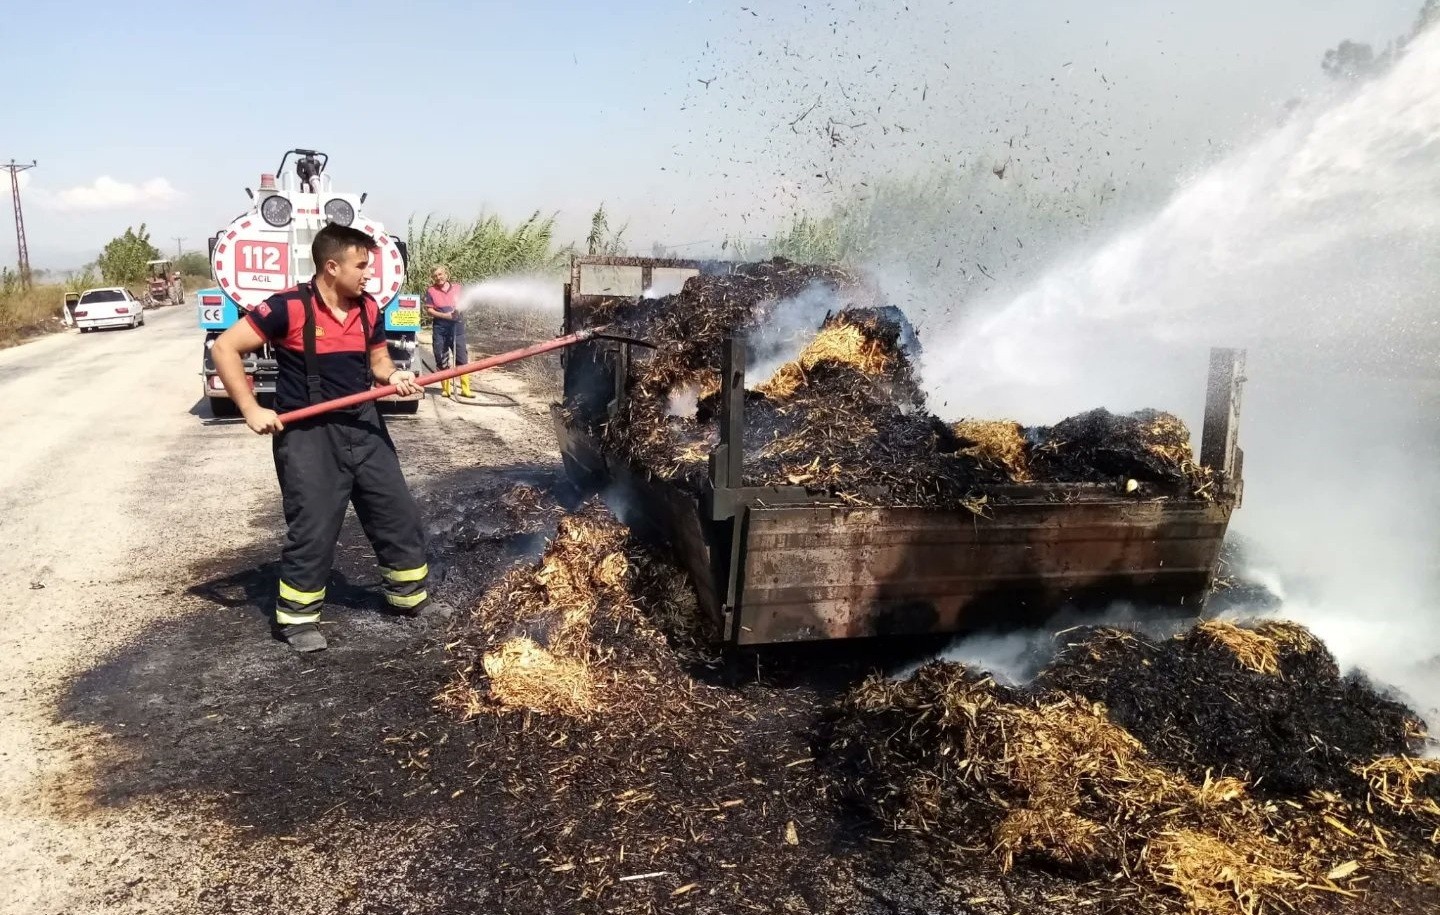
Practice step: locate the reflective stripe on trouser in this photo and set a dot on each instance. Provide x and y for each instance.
(405, 588)
(295, 606)
(323, 464)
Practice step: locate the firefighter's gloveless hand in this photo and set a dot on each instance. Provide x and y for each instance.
(404, 383)
(263, 422)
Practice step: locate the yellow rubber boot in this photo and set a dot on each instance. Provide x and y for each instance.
(445, 387)
(464, 385)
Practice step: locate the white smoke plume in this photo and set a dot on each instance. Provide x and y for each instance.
(790, 327)
(1015, 658)
(1314, 248)
(683, 401)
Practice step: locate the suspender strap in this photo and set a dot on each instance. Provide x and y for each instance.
(366, 375)
(312, 364)
(365, 324)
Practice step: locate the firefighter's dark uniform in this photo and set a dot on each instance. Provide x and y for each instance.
(345, 456)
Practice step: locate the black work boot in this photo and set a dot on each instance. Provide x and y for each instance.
(303, 637)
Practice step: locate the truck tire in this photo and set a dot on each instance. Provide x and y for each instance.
(223, 408)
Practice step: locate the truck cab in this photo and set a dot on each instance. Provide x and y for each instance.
(266, 250)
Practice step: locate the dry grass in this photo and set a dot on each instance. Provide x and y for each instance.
(494, 329)
(567, 634)
(522, 675)
(1169, 439)
(1253, 650)
(1394, 781)
(1068, 756)
(1292, 636)
(534, 625)
(840, 343)
(24, 313)
(1215, 874)
(1260, 647)
(997, 443)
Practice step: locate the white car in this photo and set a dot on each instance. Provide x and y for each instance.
(113, 306)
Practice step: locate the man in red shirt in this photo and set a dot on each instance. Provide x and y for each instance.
(330, 342)
(447, 334)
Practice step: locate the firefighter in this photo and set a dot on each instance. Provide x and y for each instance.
(442, 301)
(329, 342)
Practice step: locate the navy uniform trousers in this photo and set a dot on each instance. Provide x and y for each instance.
(324, 464)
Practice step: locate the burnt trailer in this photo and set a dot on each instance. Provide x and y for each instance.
(781, 564)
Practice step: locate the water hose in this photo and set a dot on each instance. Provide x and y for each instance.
(425, 380)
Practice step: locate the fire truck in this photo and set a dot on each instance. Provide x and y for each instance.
(267, 249)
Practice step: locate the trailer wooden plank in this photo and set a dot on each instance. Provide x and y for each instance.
(840, 572)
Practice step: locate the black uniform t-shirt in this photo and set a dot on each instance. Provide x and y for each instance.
(341, 351)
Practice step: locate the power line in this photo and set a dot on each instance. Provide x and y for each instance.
(14, 168)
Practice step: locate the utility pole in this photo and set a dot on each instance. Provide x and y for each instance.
(178, 243)
(14, 168)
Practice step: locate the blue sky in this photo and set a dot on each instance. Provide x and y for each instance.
(163, 112)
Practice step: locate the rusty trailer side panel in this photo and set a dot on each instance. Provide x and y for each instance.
(844, 572)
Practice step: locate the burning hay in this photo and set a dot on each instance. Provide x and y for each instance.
(559, 635)
(846, 417)
(523, 675)
(996, 443)
(1164, 775)
(841, 431)
(1099, 446)
(1201, 708)
(1259, 648)
(1054, 783)
(688, 331)
(862, 340)
(1057, 779)
(1253, 650)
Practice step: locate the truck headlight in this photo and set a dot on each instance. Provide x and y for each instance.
(339, 212)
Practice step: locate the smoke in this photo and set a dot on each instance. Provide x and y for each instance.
(1318, 237)
(683, 401)
(1313, 248)
(789, 328)
(665, 282)
(1015, 658)
(518, 292)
